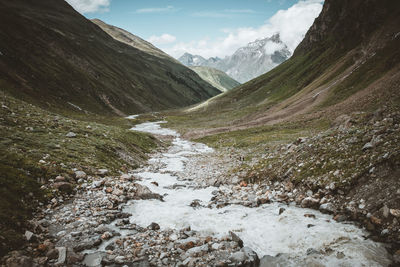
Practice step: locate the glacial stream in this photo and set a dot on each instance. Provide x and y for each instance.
(261, 228)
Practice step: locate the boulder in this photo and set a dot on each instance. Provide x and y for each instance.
(246, 257)
(80, 175)
(143, 192)
(154, 226)
(327, 208)
(63, 187)
(62, 256)
(94, 259)
(310, 202)
(236, 238)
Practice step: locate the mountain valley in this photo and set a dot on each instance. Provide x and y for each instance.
(115, 153)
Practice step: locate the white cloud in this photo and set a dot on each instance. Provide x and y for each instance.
(89, 6)
(292, 24)
(162, 39)
(156, 10)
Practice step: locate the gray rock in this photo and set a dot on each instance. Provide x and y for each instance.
(71, 135)
(195, 203)
(197, 250)
(62, 255)
(327, 207)
(281, 210)
(154, 226)
(236, 238)
(80, 175)
(143, 192)
(216, 246)
(252, 257)
(385, 232)
(246, 257)
(94, 259)
(238, 257)
(120, 259)
(310, 202)
(97, 184)
(29, 235)
(278, 261)
(367, 146)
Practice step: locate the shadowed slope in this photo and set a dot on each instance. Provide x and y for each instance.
(53, 56)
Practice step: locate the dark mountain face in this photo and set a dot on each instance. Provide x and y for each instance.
(53, 56)
(345, 24)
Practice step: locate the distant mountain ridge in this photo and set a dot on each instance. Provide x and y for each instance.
(247, 62)
(216, 78)
(132, 40)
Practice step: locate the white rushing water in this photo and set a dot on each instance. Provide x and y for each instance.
(262, 228)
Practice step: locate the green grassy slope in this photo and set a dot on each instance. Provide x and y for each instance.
(34, 148)
(343, 51)
(53, 56)
(216, 78)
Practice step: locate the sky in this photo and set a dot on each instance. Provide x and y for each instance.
(208, 28)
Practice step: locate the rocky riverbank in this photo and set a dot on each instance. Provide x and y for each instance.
(188, 207)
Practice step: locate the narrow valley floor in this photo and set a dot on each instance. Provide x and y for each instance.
(186, 208)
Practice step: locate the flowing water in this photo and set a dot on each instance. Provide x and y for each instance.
(261, 228)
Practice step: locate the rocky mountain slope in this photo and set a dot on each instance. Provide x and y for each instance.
(336, 69)
(193, 60)
(216, 78)
(322, 128)
(247, 62)
(53, 56)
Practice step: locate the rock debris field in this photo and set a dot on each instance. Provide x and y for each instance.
(168, 214)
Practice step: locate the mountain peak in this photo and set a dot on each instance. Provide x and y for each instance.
(247, 62)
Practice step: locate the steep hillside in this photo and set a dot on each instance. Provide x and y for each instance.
(53, 56)
(348, 61)
(132, 40)
(247, 62)
(43, 155)
(216, 78)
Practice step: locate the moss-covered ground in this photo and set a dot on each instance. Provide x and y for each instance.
(34, 148)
